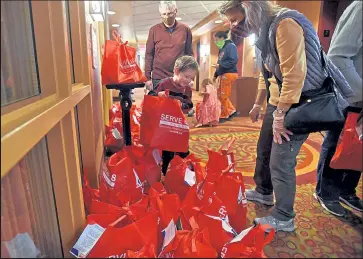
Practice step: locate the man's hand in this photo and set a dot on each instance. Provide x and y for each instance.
(255, 112)
(279, 129)
(149, 85)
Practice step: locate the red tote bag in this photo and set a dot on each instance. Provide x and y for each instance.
(163, 125)
(124, 235)
(183, 174)
(348, 154)
(249, 243)
(119, 63)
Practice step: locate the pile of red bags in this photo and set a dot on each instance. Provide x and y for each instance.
(114, 132)
(197, 212)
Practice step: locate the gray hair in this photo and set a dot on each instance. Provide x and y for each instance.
(256, 12)
(167, 5)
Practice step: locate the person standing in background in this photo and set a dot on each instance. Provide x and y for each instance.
(226, 72)
(166, 42)
(335, 186)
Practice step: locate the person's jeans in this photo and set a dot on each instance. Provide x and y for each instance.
(332, 183)
(262, 176)
(275, 167)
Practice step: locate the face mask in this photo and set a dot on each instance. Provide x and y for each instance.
(220, 43)
(169, 21)
(241, 30)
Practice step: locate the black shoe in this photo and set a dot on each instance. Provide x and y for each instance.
(235, 114)
(352, 201)
(223, 120)
(333, 207)
(191, 113)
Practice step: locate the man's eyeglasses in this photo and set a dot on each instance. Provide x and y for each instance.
(168, 14)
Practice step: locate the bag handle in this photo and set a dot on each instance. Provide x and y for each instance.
(193, 223)
(113, 224)
(116, 36)
(227, 145)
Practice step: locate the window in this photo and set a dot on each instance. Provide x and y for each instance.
(29, 225)
(19, 71)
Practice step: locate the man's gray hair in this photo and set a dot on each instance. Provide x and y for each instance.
(256, 12)
(167, 5)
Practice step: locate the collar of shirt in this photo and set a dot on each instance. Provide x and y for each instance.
(170, 29)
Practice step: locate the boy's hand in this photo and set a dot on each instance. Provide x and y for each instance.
(162, 94)
(149, 85)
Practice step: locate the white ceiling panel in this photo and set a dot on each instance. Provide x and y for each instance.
(197, 16)
(144, 14)
(183, 4)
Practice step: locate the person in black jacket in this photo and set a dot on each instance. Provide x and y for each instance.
(226, 73)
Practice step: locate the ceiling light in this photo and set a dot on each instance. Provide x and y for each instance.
(96, 11)
(218, 21)
(178, 18)
(111, 12)
(115, 25)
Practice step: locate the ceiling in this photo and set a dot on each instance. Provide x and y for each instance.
(136, 17)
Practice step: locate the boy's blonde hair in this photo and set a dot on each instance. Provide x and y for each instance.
(186, 62)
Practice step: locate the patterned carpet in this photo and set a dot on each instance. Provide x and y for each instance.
(318, 234)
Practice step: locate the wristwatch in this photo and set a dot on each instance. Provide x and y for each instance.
(279, 112)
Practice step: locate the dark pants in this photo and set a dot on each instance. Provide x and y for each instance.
(167, 156)
(275, 167)
(155, 83)
(332, 183)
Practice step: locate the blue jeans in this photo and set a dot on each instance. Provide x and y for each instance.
(332, 183)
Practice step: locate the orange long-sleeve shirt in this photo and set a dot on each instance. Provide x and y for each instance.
(290, 44)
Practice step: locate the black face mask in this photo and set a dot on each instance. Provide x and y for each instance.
(241, 30)
(169, 21)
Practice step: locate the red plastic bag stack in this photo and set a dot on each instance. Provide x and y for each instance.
(190, 244)
(210, 209)
(168, 206)
(120, 184)
(183, 174)
(113, 133)
(146, 162)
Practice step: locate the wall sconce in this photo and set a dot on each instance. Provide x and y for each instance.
(96, 10)
(204, 50)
